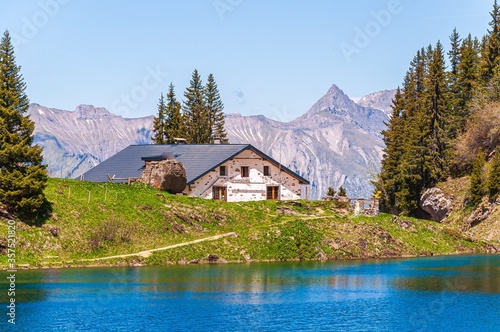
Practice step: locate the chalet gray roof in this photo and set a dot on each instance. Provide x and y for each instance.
(198, 159)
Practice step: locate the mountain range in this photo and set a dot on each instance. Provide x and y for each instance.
(381, 100)
(336, 142)
(74, 142)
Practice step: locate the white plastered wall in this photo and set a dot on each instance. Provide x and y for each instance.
(251, 188)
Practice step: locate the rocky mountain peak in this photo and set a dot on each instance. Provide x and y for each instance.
(381, 100)
(336, 107)
(89, 112)
(338, 94)
(334, 101)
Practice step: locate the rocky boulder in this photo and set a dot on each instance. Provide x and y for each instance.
(480, 213)
(435, 203)
(168, 175)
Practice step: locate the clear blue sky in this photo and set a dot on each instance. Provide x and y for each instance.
(268, 57)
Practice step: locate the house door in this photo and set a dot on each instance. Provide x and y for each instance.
(220, 193)
(273, 192)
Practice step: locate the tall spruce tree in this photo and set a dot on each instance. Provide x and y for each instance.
(174, 120)
(415, 135)
(491, 47)
(196, 112)
(437, 142)
(22, 174)
(159, 125)
(467, 75)
(215, 109)
(454, 89)
(454, 53)
(388, 182)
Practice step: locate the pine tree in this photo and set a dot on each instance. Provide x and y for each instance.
(491, 93)
(491, 46)
(215, 111)
(415, 133)
(330, 192)
(464, 90)
(454, 53)
(195, 110)
(437, 142)
(22, 175)
(494, 176)
(476, 179)
(342, 192)
(454, 57)
(389, 177)
(455, 123)
(159, 127)
(174, 120)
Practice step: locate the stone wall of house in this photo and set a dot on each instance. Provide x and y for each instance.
(251, 188)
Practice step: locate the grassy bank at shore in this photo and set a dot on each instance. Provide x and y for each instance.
(102, 224)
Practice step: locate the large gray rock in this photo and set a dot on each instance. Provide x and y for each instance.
(435, 203)
(168, 175)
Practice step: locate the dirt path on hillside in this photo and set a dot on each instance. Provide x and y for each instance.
(147, 253)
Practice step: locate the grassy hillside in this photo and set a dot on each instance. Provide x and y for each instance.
(92, 221)
(460, 216)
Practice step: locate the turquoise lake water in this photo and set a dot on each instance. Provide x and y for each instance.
(458, 293)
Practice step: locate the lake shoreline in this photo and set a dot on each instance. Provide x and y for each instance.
(123, 263)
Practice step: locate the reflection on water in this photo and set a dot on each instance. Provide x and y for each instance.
(261, 283)
(458, 274)
(406, 294)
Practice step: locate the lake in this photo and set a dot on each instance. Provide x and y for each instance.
(457, 293)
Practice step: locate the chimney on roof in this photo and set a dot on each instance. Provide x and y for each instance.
(167, 156)
(179, 140)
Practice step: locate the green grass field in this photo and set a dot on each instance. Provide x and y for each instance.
(97, 220)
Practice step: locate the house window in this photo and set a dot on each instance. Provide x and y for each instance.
(273, 192)
(244, 172)
(266, 171)
(219, 193)
(223, 171)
